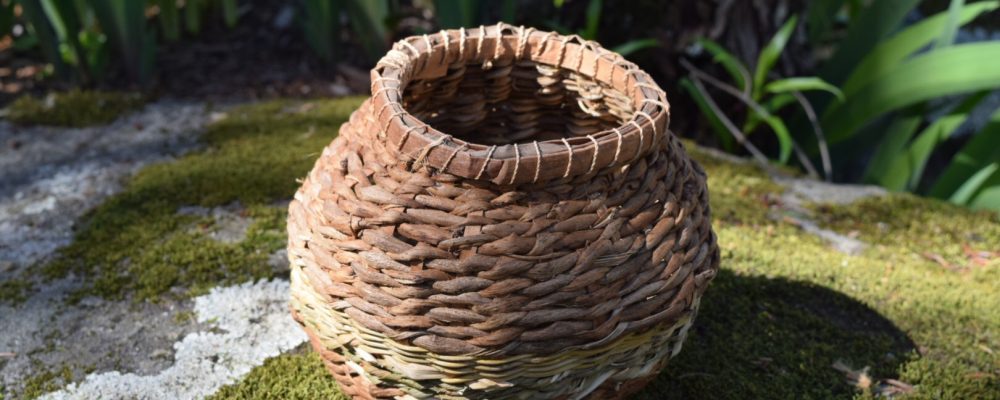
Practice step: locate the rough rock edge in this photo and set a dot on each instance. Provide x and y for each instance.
(56, 174)
(803, 191)
(250, 323)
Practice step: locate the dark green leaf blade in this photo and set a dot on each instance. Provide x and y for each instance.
(770, 54)
(950, 71)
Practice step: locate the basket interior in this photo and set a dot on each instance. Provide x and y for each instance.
(516, 102)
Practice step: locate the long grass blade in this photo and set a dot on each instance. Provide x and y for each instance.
(48, 41)
(802, 84)
(969, 191)
(785, 142)
(635, 45)
(169, 19)
(770, 54)
(881, 169)
(951, 27)
(867, 29)
(906, 166)
(454, 14)
(920, 150)
(320, 24)
(892, 51)
(980, 151)
(593, 20)
(729, 62)
(718, 128)
(820, 17)
(230, 12)
(950, 71)
(368, 19)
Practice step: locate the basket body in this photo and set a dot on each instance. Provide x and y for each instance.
(554, 243)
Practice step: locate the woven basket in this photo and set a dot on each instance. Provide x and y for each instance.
(554, 243)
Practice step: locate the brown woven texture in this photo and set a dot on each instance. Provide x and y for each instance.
(506, 217)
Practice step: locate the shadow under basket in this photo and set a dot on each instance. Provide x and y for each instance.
(506, 217)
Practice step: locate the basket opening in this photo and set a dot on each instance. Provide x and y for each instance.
(510, 102)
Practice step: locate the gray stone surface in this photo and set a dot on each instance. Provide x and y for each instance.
(50, 176)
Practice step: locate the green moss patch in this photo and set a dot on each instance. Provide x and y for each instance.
(786, 307)
(955, 238)
(292, 376)
(138, 244)
(739, 194)
(75, 108)
(45, 382)
(14, 291)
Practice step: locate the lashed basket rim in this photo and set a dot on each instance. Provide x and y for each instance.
(428, 57)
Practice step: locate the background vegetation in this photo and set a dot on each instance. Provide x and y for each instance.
(876, 92)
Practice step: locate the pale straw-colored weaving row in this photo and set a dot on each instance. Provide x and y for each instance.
(554, 243)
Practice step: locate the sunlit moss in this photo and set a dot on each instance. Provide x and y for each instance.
(740, 193)
(955, 238)
(75, 108)
(137, 243)
(297, 375)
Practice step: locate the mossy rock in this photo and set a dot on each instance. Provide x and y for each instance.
(75, 108)
(138, 244)
(918, 305)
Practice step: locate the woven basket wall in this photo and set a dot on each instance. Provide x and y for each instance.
(506, 217)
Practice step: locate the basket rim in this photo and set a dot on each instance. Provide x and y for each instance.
(428, 56)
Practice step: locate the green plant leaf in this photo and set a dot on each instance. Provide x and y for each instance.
(866, 30)
(169, 19)
(96, 49)
(980, 151)
(951, 27)
(63, 17)
(820, 16)
(6, 17)
(125, 25)
(45, 35)
(770, 53)
(978, 181)
(940, 130)
(633, 46)
(730, 63)
(725, 138)
(192, 15)
(508, 11)
(781, 132)
(953, 70)
(881, 169)
(802, 84)
(454, 14)
(593, 20)
(320, 21)
(905, 165)
(773, 104)
(368, 19)
(987, 196)
(890, 52)
(230, 12)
